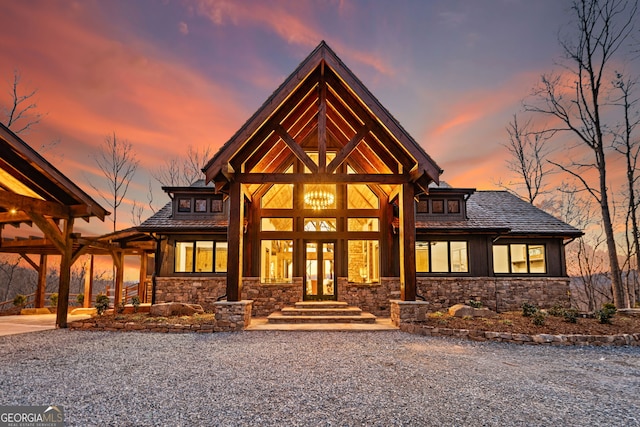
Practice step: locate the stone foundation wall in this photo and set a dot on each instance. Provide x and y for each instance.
(497, 293)
(191, 290)
(270, 297)
(372, 298)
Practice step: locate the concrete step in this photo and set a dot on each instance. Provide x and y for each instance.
(321, 304)
(279, 318)
(343, 311)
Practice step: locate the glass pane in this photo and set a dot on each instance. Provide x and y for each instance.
(276, 264)
(184, 257)
(360, 196)
(422, 257)
(453, 206)
(363, 224)
(204, 257)
(364, 261)
(518, 258)
(459, 262)
(276, 224)
(319, 196)
(536, 259)
(221, 257)
(311, 269)
(437, 206)
(439, 257)
(319, 224)
(279, 196)
(501, 259)
(328, 251)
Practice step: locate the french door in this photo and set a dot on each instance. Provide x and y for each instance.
(319, 277)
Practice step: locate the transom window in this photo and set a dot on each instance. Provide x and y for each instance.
(442, 257)
(519, 258)
(201, 256)
(320, 224)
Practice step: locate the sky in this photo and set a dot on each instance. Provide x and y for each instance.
(167, 74)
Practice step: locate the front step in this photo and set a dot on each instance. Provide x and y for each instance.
(321, 312)
(279, 318)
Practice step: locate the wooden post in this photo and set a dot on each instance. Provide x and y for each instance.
(235, 236)
(118, 260)
(65, 275)
(88, 284)
(42, 282)
(407, 243)
(142, 287)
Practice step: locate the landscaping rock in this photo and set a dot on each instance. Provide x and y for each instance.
(175, 309)
(463, 310)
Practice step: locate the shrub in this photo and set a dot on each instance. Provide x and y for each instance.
(20, 300)
(606, 313)
(80, 299)
(135, 302)
(529, 310)
(475, 303)
(54, 299)
(570, 315)
(556, 311)
(102, 303)
(119, 307)
(538, 318)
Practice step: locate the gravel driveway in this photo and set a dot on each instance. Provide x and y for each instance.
(316, 379)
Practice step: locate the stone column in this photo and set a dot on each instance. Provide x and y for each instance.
(232, 316)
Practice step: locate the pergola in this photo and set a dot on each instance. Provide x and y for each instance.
(34, 192)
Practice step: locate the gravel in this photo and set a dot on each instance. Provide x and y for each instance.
(271, 378)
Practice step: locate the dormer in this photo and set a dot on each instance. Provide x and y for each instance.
(196, 201)
(444, 203)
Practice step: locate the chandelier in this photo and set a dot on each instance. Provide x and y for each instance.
(319, 199)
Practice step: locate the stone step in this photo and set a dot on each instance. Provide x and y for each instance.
(279, 318)
(321, 304)
(343, 311)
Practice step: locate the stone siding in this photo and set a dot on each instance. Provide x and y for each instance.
(403, 312)
(270, 297)
(372, 298)
(497, 293)
(191, 290)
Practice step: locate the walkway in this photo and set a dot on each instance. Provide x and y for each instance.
(262, 324)
(19, 324)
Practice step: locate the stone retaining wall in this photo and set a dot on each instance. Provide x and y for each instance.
(539, 339)
(191, 290)
(497, 293)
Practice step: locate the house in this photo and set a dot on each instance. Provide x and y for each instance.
(322, 195)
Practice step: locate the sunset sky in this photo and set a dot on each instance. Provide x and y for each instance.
(167, 74)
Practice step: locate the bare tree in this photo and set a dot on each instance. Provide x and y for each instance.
(527, 160)
(22, 113)
(627, 143)
(602, 30)
(8, 266)
(185, 170)
(118, 163)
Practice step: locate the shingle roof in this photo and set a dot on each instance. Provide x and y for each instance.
(501, 211)
(163, 221)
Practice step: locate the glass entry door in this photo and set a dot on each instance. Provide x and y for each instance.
(319, 276)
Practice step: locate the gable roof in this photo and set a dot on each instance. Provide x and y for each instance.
(322, 95)
(501, 212)
(28, 180)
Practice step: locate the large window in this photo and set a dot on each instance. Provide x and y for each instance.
(442, 257)
(276, 261)
(364, 261)
(201, 256)
(519, 258)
